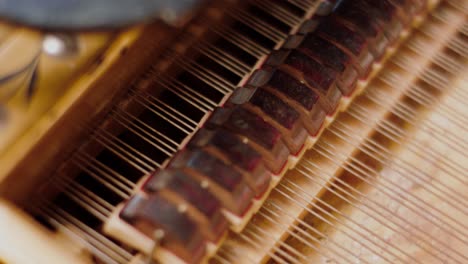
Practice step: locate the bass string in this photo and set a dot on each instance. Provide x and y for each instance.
(361, 230)
(359, 169)
(414, 146)
(97, 242)
(310, 232)
(380, 244)
(393, 191)
(402, 167)
(387, 129)
(129, 154)
(375, 213)
(324, 237)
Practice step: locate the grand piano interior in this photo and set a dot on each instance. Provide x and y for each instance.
(285, 131)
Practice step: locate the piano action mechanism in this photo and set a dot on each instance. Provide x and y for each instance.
(286, 131)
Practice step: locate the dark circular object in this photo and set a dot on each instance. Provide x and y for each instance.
(90, 14)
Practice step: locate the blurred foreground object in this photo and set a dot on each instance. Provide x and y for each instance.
(91, 14)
